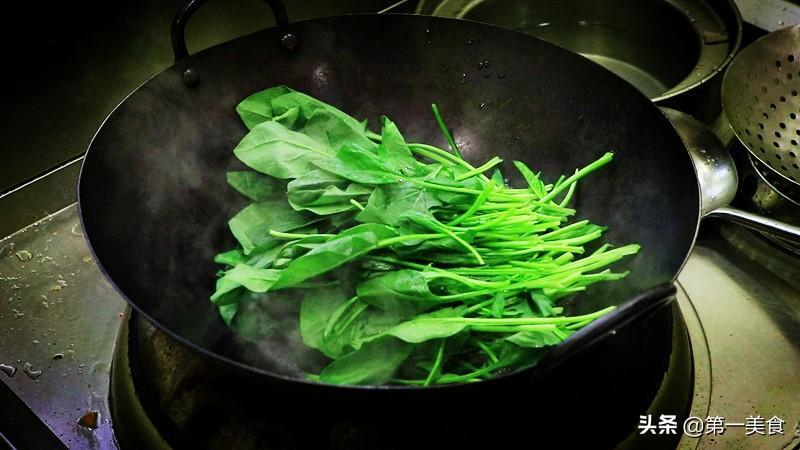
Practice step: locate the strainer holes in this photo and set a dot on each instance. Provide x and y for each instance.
(747, 131)
(762, 149)
(795, 166)
(755, 97)
(783, 168)
(790, 58)
(778, 134)
(793, 154)
(794, 92)
(772, 106)
(792, 116)
(776, 81)
(778, 64)
(782, 125)
(792, 178)
(776, 145)
(760, 125)
(764, 89)
(789, 76)
(765, 115)
(783, 99)
(760, 138)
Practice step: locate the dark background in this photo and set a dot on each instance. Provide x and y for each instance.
(67, 64)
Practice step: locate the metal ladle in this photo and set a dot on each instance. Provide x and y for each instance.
(719, 181)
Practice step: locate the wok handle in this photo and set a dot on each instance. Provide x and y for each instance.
(774, 227)
(182, 18)
(633, 310)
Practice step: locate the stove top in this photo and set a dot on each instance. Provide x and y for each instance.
(738, 298)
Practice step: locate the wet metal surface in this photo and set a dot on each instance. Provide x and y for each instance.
(745, 293)
(770, 15)
(58, 323)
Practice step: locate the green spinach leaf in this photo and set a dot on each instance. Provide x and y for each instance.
(373, 363)
(338, 250)
(252, 224)
(256, 186)
(257, 108)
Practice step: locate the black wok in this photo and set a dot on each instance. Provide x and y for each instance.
(154, 201)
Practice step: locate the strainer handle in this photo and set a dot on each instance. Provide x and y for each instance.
(759, 223)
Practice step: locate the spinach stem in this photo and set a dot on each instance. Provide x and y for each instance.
(480, 200)
(602, 161)
(355, 203)
(443, 153)
(524, 320)
(371, 135)
(441, 273)
(437, 364)
(337, 314)
(282, 235)
(479, 170)
(485, 348)
(409, 237)
(445, 130)
(429, 154)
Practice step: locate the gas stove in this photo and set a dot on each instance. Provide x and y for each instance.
(80, 370)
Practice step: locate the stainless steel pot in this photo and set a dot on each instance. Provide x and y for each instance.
(671, 50)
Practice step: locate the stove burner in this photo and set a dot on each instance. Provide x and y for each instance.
(166, 396)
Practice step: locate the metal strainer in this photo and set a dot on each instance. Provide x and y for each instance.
(761, 100)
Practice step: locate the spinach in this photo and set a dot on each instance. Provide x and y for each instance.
(538, 339)
(257, 108)
(338, 250)
(315, 314)
(373, 363)
(370, 259)
(251, 226)
(404, 290)
(331, 129)
(279, 152)
(324, 193)
(358, 164)
(252, 279)
(425, 327)
(230, 258)
(255, 186)
(389, 202)
(308, 106)
(393, 150)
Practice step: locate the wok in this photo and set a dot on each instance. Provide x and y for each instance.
(154, 201)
